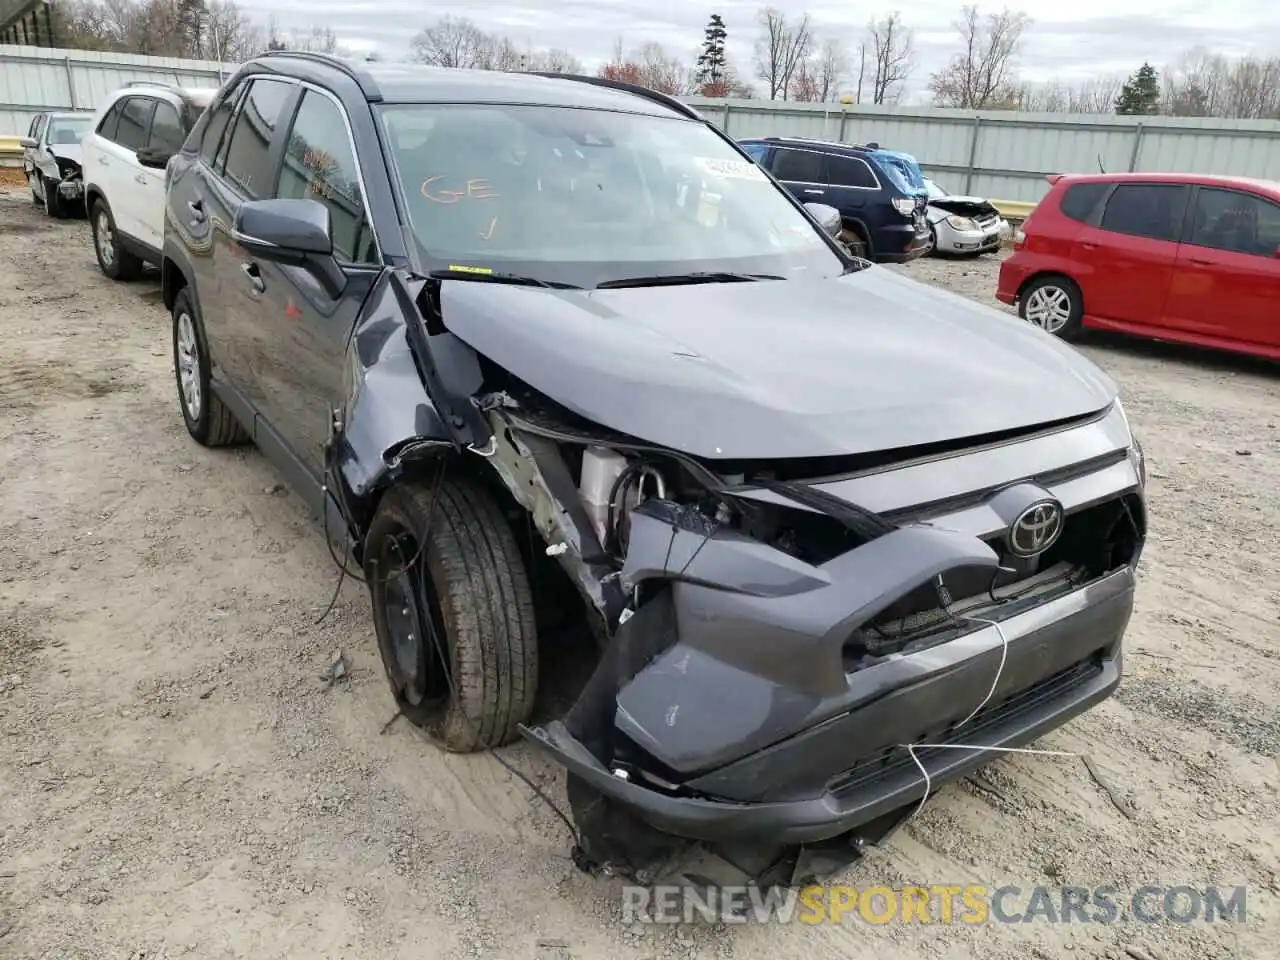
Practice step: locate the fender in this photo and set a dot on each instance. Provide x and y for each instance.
(407, 394)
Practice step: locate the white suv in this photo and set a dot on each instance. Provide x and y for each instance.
(134, 132)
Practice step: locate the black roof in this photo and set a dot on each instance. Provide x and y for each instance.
(418, 83)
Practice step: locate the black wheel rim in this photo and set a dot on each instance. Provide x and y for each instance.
(411, 612)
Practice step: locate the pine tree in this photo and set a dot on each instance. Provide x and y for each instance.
(1140, 95)
(711, 62)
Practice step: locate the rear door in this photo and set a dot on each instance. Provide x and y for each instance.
(801, 171)
(852, 187)
(305, 329)
(1227, 281)
(1128, 258)
(244, 169)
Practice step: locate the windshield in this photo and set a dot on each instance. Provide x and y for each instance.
(935, 191)
(67, 130)
(587, 196)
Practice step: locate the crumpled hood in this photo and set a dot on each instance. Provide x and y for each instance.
(67, 151)
(866, 362)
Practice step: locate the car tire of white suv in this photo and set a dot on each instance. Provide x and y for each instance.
(114, 261)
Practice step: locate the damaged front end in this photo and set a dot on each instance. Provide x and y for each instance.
(784, 674)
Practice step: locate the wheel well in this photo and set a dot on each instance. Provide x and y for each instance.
(1045, 275)
(857, 227)
(172, 279)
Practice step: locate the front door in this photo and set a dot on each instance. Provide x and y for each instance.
(306, 326)
(164, 132)
(126, 186)
(1227, 281)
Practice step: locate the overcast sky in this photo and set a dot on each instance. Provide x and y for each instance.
(1068, 39)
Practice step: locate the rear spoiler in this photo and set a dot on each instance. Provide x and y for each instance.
(1053, 178)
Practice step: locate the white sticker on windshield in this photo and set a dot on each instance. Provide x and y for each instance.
(730, 169)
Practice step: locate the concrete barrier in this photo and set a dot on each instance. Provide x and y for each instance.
(10, 152)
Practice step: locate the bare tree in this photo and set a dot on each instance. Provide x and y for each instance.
(1095, 95)
(452, 42)
(984, 73)
(891, 45)
(554, 61)
(652, 66)
(781, 50)
(229, 36)
(830, 69)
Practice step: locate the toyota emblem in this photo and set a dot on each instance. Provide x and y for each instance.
(1035, 529)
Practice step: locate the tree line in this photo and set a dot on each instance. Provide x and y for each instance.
(785, 58)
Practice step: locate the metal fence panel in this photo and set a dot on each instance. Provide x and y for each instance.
(998, 154)
(33, 79)
(1007, 155)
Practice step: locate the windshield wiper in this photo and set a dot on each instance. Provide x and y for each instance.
(496, 277)
(672, 279)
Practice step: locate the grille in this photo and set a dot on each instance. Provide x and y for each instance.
(894, 759)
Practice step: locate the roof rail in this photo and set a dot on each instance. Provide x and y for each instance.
(153, 83)
(640, 91)
(362, 78)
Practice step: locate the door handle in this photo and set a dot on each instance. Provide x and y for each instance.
(196, 209)
(139, 178)
(1088, 246)
(1201, 263)
(817, 192)
(250, 270)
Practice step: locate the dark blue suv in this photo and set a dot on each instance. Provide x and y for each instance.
(880, 193)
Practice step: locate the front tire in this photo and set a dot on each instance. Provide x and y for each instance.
(1054, 304)
(208, 420)
(113, 260)
(53, 203)
(453, 574)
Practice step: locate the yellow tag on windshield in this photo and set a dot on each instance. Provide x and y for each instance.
(457, 269)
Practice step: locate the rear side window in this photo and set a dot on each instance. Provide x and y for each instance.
(135, 121)
(755, 151)
(850, 172)
(249, 149)
(107, 128)
(166, 129)
(1151, 210)
(217, 125)
(1237, 222)
(799, 166)
(1081, 200)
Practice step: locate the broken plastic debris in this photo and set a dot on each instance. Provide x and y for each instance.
(337, 668)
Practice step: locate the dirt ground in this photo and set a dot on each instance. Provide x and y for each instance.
(176, 779)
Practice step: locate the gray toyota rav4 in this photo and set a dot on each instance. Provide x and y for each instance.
(553, 351)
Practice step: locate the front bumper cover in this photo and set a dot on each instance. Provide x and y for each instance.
(849, 770)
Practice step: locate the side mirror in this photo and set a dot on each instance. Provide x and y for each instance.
(293, 232)
(828, 217)
(28, 142)
(157, 158)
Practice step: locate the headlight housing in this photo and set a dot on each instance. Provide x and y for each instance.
(962, 223)
(1137, 456)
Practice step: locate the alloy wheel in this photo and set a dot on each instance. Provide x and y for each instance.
(189, 367)
(106, 239)
(1049, 308)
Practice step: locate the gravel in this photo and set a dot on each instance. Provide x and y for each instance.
(177, 781)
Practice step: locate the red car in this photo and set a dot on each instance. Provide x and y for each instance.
(1181, 257)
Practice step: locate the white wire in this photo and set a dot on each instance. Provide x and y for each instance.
(995, 683)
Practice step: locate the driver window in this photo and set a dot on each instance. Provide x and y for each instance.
(319, 165)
